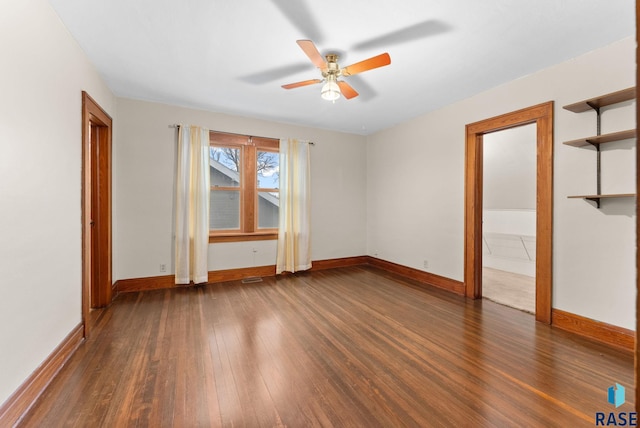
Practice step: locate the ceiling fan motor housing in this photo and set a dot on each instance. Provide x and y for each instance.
(332, 66)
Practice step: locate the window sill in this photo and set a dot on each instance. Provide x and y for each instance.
(240, 237)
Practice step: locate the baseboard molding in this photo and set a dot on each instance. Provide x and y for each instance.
(602, 332)
(168, 281)
(242, 273)
(339, 263)
(19, 403)
(145, 284)
(428, 278)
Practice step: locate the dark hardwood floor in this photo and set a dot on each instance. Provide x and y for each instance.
(344, 347)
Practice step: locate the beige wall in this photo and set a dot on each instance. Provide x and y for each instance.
(144, 163)
(41, 78)
(415, 208)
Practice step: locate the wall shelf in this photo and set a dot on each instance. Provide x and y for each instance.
(602, 101)
(596, 198)
(596, 104)
(601, 139)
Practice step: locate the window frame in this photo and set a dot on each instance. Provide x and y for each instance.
(249, 147)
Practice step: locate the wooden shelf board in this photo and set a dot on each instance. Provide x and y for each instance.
(603, 100)
(606, 196)
(601, 139)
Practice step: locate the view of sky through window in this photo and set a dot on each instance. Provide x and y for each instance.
(268, 164)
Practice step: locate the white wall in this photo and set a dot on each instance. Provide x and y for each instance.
(144, 164)
(41, 79)
(509, 240)
(415, 187)
(509, 169)
(509, 200)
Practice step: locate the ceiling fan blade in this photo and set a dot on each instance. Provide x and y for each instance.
(274, 74)
(303, 83)
(312, 52)
(368, 64)
(347, 90)
(301, 17)
(430, 27)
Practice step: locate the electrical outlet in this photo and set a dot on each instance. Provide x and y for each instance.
(425, 264)
(163, 267)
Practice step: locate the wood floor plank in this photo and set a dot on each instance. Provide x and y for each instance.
(340, 347)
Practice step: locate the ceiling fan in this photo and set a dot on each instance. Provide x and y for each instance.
(331, 71)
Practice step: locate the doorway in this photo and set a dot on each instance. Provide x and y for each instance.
(96, 209)
(542, 116)
(509, 217)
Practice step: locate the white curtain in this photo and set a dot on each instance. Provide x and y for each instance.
(192, 205)
(294, 234)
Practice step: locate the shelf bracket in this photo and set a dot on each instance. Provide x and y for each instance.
(598, 169)
(597, 146)
(596, 200)
(598, 122)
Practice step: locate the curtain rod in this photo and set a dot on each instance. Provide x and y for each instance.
(177, 125)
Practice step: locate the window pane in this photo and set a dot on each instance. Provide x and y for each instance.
(268, 203)
(224, 165)
(268, 167)
(224, 210)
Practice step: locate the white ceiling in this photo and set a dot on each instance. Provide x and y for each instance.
(232, 56)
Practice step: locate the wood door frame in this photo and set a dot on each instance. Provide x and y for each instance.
(542, 116)
(93, 116)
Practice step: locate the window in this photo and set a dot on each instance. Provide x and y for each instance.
(244, 187)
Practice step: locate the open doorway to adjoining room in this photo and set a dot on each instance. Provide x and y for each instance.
(509, 217)
(542, 117)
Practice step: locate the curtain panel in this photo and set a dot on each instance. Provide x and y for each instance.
(192, 205)
(294, 233)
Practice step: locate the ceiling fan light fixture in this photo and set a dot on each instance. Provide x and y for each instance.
(330, 90)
